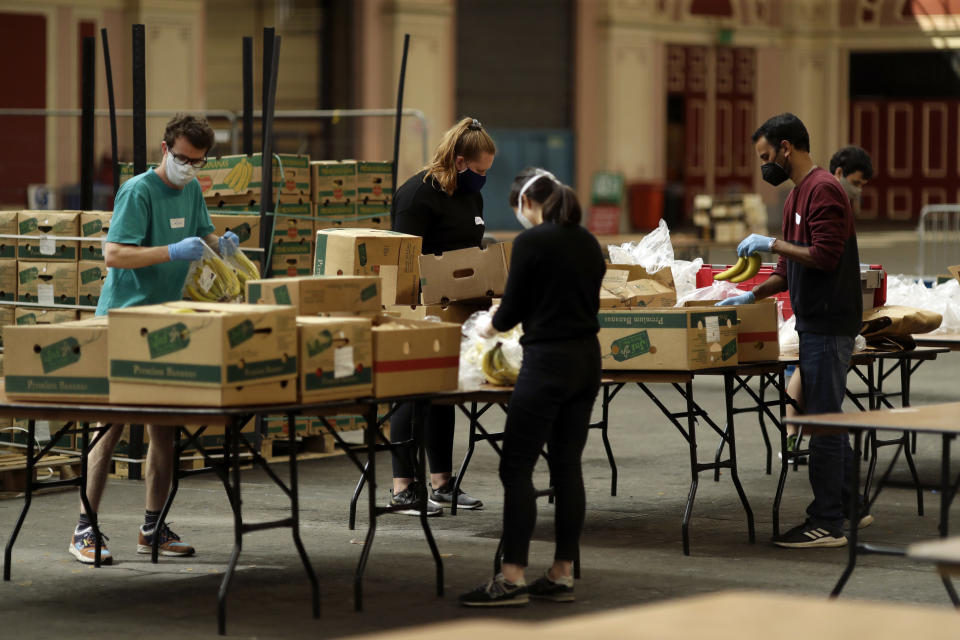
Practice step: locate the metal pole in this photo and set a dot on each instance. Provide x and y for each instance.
(399, 118)
(139, 101)
(114, 153)
(269, 33)
(266, 164)
(248, 96)
(86, 124)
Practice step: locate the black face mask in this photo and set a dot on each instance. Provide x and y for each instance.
(773, 173)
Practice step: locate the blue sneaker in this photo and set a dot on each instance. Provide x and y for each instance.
(83, 547)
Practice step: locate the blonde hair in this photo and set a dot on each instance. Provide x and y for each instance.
(468, 139)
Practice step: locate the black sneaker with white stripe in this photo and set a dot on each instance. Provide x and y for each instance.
(809, 535)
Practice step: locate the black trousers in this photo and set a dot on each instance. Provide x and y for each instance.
(551, 405)
(438, 436)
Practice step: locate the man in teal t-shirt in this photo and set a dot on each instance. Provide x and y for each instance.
(160, 224)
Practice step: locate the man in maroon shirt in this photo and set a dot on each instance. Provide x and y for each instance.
(820, 266)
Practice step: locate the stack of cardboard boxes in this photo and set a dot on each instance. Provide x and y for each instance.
(351, 194)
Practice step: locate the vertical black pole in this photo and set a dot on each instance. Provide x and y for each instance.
(115, 160)
(266, 182)
(396, 126)
(269, 33)
(139, 101)
(247, 96)
(86, 124)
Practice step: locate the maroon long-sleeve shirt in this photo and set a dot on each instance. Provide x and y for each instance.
(826, 298)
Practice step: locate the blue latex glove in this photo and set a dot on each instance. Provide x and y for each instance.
(229, 243)
(753, 243)
(743, 298)
(188, 249)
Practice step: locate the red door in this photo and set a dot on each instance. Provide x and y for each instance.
(914, 161)
(23, 67)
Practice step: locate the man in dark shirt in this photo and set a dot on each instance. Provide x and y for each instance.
(820, 266)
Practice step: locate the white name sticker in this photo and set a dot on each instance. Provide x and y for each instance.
(48, 246)
(342, 362)
(796, 217)
(45, 294)
(177, 223)
(479, 221)
(41, 430)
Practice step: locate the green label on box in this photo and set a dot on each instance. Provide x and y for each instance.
(263, 369)
(281, 295)
(90, 275)
(319, 344)
(242, 231)
(60, 354)
(630, 346)
(729, 350)
(29, 226)
(255, 292)
(27, 318)
(240, 333)
(362, 252)
(291, 248)
(339, 169)
(29, 275)
(92, 227)
(319, 266)
(56, 384)
(160, 371)
(368, 292)
(642, 320)
(168, 340)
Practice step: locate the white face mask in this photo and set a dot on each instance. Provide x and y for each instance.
(179, 174)
(539, 173)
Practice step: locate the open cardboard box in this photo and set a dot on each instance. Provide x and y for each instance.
(414, 356)
(311, 295)
(757, 328)
(465, 274)
(370, 252)
(619, 291)
(685, 339)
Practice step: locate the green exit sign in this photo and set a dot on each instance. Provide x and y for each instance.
(607, 188)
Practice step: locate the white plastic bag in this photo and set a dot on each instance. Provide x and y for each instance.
(473, 346)
(718, 290)
(789, 338)
(653, 252)
(941, 298)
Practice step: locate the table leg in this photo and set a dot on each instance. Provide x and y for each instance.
(734, 474)
(694, 469)
(294, 494)
(472, 415)
(84, 500)
(232, 455)
(370, 470)
(27, 500)
(420, 412)
(605, 409)
(356, 497)
(853, 516)
(946, 489)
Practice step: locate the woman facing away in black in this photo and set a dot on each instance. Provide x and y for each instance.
(442, 204)
(553, 289)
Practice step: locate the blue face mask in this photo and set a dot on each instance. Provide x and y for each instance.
(470, 182)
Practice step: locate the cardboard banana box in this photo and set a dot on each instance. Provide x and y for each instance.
(318, 294)
(333, 182)
(94, 225)
(47, 283)
(42, 315)
(363, 252)
(66, 361)
(48, 223)
(242, 176)
(336, 358)
(193, 353)
(9, 227)
(90, 278)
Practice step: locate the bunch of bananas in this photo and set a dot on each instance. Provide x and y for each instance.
(225, 285)
(497, 368)
(238, 178)
(245, 268)
(743, 270)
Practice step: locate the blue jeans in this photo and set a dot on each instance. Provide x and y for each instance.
(824, 361)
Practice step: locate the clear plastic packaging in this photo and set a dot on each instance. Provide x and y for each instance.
(473, 347)
(943, 298)
(210, 279)
(655, 252)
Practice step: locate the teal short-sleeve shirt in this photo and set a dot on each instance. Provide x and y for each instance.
(148, 213)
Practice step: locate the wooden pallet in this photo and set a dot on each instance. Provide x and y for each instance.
(13, 472)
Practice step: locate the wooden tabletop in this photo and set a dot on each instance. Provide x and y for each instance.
(932, 418)
(719, 616)
(943, 552)
(949, 340)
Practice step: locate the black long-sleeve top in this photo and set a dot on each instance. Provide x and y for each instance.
(554, 284)
(445, 222)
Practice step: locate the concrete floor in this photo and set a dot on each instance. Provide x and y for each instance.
(631, 549)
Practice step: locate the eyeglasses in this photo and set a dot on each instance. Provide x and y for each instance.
(181, 159)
